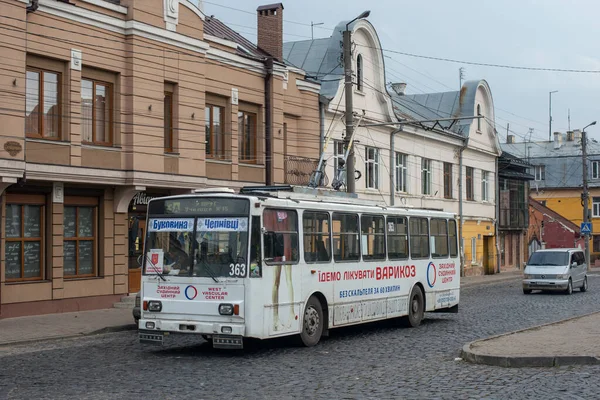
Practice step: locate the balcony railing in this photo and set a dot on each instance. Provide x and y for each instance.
(513, 218)
(298, 170)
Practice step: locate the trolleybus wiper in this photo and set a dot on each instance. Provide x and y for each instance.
(160, 275)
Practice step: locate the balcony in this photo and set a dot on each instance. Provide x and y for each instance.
(514, 218)
(298, 170)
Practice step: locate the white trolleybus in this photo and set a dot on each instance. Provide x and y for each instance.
(268, 262)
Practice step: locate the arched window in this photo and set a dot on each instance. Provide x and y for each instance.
(359, 72)
(479, 119)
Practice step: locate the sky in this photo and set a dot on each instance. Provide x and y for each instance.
(559, 34)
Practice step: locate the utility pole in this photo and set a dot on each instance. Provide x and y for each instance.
(569, 118)
(550, 113)
(585, 194)
(349, 91)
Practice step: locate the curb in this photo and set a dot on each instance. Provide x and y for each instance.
(473, 357)
(110, 329)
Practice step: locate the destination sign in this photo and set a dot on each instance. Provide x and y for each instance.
(206, 206)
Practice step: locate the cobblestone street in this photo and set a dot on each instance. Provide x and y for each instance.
(373, 361)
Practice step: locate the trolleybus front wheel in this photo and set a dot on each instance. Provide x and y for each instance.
(312, 323)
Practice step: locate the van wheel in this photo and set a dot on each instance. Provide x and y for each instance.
(312, 323)
(416, 308)
(569, 287)
(526, 291)
(584, 287)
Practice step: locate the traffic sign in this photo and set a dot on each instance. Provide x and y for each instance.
(586, 227)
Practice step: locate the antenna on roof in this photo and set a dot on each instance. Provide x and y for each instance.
(312, 24)
(461, 76)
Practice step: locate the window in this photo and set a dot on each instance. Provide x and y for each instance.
(373, 237)
(447, 180)
(484, 186)
(479, 119)
(596, 207)
(338, 156)
(470, 195)
(345, 237)
(247, 137)
(317, 237)
(439, 238)
(359, 72)
(215, 138)
(401, 172)
(596, 244)
(595, 169)
(473, 250)
(419, 238)
(397, 234)
(24, 245)
(540, 172)
(372, 168)
(96, 112)
(452, 236)
(79, 246)
(425, 176)
(281, 236)
(43, 104)
(168, 122)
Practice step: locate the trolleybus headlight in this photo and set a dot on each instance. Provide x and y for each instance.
(150, 325)
(226, 309)
(154, 306)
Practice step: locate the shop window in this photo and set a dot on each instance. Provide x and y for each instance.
(80, 241)
(24, 243)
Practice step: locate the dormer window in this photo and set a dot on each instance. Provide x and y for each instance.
(359, 72)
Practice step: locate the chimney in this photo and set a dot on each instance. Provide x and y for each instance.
(570, 136)
(510, 139)
(577, 135)
(399, 88)
(557, 140)
(270, 29)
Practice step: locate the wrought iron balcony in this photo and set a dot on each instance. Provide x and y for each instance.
(298, 170)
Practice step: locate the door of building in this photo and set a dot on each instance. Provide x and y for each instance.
(137, 231)
(488, 255)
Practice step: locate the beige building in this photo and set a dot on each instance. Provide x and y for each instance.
(105, 104)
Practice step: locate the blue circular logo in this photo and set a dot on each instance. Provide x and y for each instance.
(190, 292)
(431, 279)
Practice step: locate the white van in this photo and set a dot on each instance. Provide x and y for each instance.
(556, 269)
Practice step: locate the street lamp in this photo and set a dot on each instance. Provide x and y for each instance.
(349, 92)
(584, 196)
(550, 112)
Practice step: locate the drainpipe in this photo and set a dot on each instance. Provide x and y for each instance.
(321, 127)
(268, 122)
(392, 169)
(497, 197)
(460, 206)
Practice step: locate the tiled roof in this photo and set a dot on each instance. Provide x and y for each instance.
(214, 27)
(553, 214)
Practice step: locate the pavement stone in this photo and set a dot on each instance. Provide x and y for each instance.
(569, 342)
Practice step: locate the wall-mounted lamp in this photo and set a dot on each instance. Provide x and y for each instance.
(15, 82)
(193, 115)
(150, 107)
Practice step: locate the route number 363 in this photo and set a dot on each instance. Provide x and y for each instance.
(237, 269)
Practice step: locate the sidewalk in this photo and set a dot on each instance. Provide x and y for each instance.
(569, 342)
(65, 325)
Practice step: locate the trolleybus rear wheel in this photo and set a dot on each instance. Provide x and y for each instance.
(416, 307)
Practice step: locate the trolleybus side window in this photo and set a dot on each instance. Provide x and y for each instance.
(452, 239)
(373, 237)
(255, 264)
(281, 236)
(317, 236)
(397, 235)
(439, 238)
(419, 238)
(346, 246)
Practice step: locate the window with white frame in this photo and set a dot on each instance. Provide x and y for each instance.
(540, 172)
(595, 169)
(473, 250)
(338, 156)
(484, 186)
(596, 207)
(372, 167)
(425, 176)
(401, 172)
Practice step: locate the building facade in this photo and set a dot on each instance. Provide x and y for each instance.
(109, 103)
(513, 211)
(558, 178)
(412, 164)
(550, 230)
